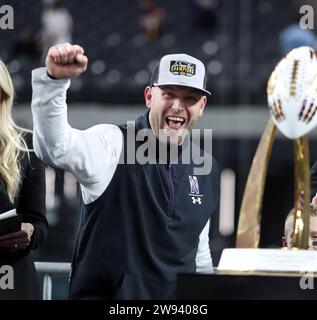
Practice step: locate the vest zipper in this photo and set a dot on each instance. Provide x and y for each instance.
(172, 190)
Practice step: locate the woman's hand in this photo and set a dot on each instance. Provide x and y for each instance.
(18, 240)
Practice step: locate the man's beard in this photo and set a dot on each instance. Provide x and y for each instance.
(171, 136)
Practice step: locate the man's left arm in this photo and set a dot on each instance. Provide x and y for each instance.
(203, 256)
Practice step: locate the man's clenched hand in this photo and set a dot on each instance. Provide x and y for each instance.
(65, 61)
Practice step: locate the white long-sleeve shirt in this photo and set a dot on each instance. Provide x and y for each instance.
(91, 155)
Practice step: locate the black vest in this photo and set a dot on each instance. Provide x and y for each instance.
(143, 230)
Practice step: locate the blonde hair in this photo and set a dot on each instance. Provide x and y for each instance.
(12, 140)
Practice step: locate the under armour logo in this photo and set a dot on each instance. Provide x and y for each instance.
(196, 200)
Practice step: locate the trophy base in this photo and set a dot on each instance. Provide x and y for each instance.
(255, 274)
(269, 261)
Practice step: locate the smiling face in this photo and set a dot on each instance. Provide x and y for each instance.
(172, 110)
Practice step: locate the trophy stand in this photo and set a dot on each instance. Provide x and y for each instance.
(248, 232)
(302, 194)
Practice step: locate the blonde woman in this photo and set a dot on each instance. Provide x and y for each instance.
(22, 187)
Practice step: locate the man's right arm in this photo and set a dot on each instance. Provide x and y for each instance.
(90, 155)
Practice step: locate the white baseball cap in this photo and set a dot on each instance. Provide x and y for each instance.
(180, 70)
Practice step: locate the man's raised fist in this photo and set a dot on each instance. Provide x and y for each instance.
(65, 61)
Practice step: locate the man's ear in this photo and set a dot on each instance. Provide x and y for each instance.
(203, 105)
(148, 96)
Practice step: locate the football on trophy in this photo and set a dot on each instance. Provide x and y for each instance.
(292, 93)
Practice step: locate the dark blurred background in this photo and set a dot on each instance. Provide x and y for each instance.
(240, 42)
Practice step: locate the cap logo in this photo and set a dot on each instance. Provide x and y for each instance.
(183, 68)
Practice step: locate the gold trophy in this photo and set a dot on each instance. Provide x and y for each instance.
(292, 100)
(265, 273)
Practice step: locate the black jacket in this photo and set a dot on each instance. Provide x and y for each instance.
(142, 231)
(30, 202)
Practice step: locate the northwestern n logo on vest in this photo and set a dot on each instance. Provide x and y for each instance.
(194, 190)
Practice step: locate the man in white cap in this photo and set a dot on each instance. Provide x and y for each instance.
(141, 223)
